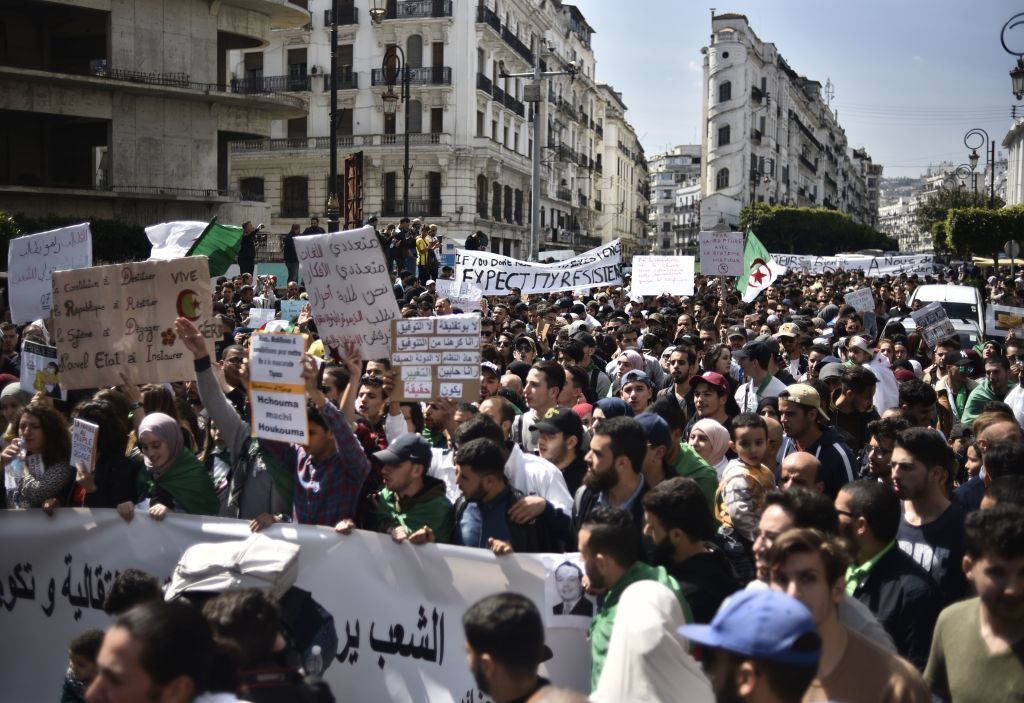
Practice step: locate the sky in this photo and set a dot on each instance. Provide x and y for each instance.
(910, 77)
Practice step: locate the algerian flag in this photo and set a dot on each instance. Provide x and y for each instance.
(218, 243)
(761, 268)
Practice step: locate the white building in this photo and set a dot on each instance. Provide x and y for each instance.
(1013, 142)
(471, 134)
(898, 220)
(771, 136)
(669, 171)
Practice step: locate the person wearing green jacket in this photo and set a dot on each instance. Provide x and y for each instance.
(995, 387)
(611, 555)
(412, 506)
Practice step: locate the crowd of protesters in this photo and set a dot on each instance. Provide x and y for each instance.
(803, 498)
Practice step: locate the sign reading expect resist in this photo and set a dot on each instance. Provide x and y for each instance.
(277, 391)
(436, 357)
(496, 274)
(109, 319)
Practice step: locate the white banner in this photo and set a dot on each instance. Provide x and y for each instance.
(870, 265)
(721, 253)
(464, 296)
(861, 299)
(33, 258)
(496, 274)
(655, 275)
(350, 292)
(55, 573)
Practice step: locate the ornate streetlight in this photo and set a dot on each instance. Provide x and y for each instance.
(377, 11)
(972, 143)
(393, 68)
(1017, 72)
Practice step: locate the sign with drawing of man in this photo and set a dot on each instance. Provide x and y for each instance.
(569, 586)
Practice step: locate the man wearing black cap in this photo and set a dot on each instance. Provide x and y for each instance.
(754, 358)
(737, 337)
(560, 442)
(490, 380)
(599, 380)
(504, 647)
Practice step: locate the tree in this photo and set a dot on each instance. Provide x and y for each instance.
(937, 207)
(982, 231)
(817, 231)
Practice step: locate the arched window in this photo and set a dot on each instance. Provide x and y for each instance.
(414, 51)
(723, 135)
(725, 92)
(415, 116)
(722, 179)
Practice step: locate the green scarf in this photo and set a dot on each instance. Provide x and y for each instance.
(188, 481)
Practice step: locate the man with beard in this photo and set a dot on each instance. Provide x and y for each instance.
(614, 475)
(806, 423)
(439, 423)
(490, 380)
(882, 440)
(995, 387)
(412, 506)
(611, 550)
(932, 527)
(677, 521)
(680, 364)
(976, 651)
(505, 646)
(855, 405)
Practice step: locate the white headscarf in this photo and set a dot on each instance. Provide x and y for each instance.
(647, 660)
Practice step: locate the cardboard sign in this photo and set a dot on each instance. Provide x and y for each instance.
(721, 253)
(861, 299)
(40, 370)
(436, 357)
(1000, 320)
(656, 275)
(496, 274)
(31, 261)
(350, 291)
(290, 309)
(277, 391)
(464, 296)
(109, 319)
(83, 444)
(935, 323)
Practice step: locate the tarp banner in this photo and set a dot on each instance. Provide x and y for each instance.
(496, 274)
(55, 573)
(870, 265)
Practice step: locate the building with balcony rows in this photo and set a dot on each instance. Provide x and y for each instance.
(674, 206)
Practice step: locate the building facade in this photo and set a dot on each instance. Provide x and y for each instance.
(124, 110)
(1013, 142)
(770, 135)
(470, 125)
(672, 175)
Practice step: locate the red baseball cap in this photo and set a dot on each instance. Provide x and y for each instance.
(712, 378)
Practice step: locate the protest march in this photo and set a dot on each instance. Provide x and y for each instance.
(382, 477)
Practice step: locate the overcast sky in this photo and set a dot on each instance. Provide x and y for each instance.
(911, 77)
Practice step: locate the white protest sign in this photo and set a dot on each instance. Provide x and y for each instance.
(496, 274)
(31, 261)
(83, 444)
(871, 265)
(656, 275)
(721, 253)
(261, 316)
(290, 309)
(437, 357)
(40, 370)
(56, 571)
(935, 323)
(350, 291)
(464, 296)
(277, 391)
(861, 299)
(1000, 320)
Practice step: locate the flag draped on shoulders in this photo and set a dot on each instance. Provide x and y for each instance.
(218, 243)
(760, 269)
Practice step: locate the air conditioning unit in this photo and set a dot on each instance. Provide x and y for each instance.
(315, 71)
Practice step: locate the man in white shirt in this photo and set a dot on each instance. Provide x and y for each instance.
(754, 358)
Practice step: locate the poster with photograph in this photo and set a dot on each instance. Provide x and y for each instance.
(566, 603)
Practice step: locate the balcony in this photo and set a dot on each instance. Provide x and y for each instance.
(483, 82)
(600, 130)
(499, 95)
(514, 105)
(755, 135)
(756, 94)
(346, 16)
(563, 193)
(347, 80)
(271, 84)
(597, 205)
(419, 9)
(811, 166)
(516, 44)
(423, 139)
(485, 15)
(419, 207)
(425, 75)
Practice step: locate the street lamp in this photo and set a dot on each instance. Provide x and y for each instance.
(377, 11)
(332, 195)
(1017, 72)
(394, 68)
(972, 143)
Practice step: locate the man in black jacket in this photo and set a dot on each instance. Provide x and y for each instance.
(896, 588)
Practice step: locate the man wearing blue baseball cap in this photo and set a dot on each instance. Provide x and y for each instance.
(761, 646)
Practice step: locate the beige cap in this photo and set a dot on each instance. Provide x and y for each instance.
(803, 394)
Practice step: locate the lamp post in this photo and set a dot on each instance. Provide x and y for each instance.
(333, 210)
(394, 68)
(1017, 72)
(971, 138)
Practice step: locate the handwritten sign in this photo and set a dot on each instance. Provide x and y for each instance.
(871, 265)
(109, 319)
(350, 291)
(1000, 320)
(83, 444)
(861, 299)
(277, 391)
(496, 274)
(31, 261)
(40, 370)
(935, 323)
(721, 253)
(261, 316)
(437, 357)
(656, 275)
(290, 309)
(465, 296)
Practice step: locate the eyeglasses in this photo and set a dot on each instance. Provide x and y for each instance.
(847, 513)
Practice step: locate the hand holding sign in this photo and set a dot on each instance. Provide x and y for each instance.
(190, 337)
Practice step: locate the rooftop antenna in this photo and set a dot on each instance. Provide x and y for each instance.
(830, 91)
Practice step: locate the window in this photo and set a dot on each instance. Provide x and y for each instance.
(725, 92)
(295, 196)
(414, 51)
(496, 201)
(481, 196)
(252, 189)
(723, 135)
(508, 203)
(722, 179)
(414, 113)
(518, 209)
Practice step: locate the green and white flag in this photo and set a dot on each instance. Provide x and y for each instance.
(218, 243)
(760, 268)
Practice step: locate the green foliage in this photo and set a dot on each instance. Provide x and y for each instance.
(800, 230)
(940, 240)
(937, 207)
(112, 241)
(982, 231)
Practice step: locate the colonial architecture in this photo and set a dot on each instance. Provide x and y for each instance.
(674, 217)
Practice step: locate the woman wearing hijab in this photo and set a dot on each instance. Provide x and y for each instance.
(173, 480)
(628, 360)
(607, 408)
(711, 441)
(647, 660)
